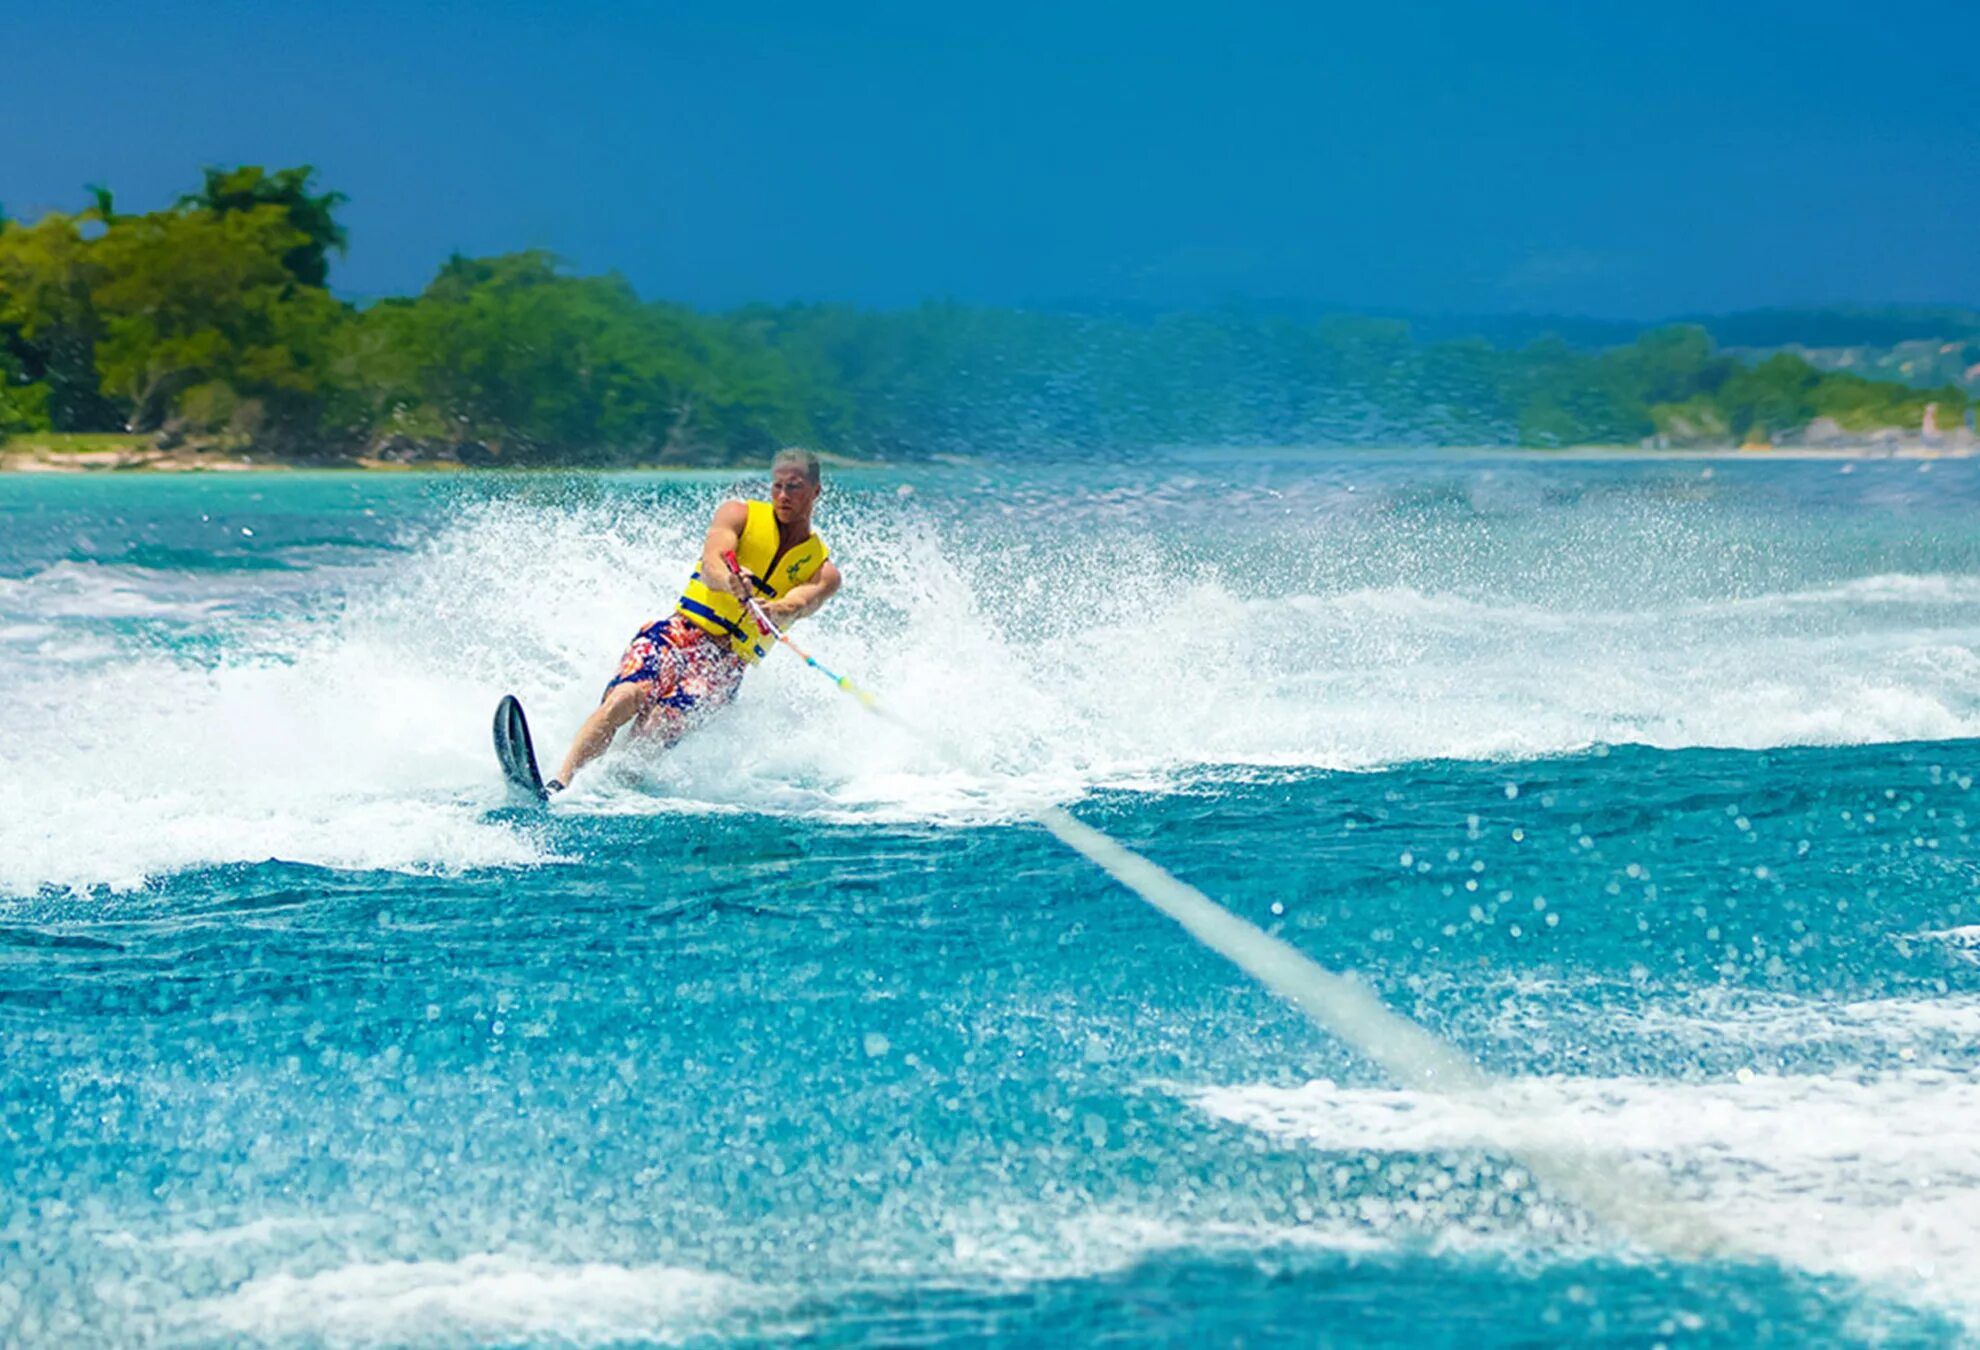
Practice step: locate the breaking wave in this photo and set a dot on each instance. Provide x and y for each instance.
(166, 718)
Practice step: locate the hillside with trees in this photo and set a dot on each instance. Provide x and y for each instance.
(210, 323)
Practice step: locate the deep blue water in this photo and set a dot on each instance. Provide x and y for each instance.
(1649, 786)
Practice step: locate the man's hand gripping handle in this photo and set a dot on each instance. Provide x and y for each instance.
(748, 598)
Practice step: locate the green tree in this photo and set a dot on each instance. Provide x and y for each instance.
(1669, 365)
(202, 326)
(48, 319)
(23, 402)
(311, 214)
(1860, 404)
(540, 366)
(1770, 399)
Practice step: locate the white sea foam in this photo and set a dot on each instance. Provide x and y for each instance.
(358, 737)
(1898, 587)
(1963, 941)
(1727, 1021)
(1873, 1177)
(491, 1297)
(77, 590)
(1015, 1243)
(255, 1233)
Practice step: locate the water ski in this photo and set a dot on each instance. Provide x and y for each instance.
(515, 750)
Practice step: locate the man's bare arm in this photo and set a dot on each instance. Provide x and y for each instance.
(725, 536)
(802, 601)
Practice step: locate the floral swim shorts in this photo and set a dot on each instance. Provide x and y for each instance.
(684, 672)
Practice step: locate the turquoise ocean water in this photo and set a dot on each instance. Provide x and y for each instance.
(1648, 785)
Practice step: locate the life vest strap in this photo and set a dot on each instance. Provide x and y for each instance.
(689, 605)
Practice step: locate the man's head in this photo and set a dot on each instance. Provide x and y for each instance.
(794, 484)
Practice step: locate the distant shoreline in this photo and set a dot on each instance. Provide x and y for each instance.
(108, 455)
(99, 455)
(1795, 452)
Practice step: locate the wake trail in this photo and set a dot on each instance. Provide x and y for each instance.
(1642, 1207)
(1638, 1205)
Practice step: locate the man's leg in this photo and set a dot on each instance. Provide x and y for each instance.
(621, 704)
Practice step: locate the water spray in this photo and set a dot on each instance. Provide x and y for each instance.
(1639, 1205)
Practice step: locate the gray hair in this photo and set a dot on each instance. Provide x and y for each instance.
(801, 458)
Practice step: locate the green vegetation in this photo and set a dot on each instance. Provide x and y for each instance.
(209, 322)
(88, 442)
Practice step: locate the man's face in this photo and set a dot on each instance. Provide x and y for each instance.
(791, 493)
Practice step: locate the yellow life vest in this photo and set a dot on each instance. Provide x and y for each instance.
(722, 615)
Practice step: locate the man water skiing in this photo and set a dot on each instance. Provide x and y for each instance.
(679, 669)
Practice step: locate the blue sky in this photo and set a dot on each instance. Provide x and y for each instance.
(1618, 160)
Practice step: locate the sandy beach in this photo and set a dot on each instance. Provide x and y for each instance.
(136, 454)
